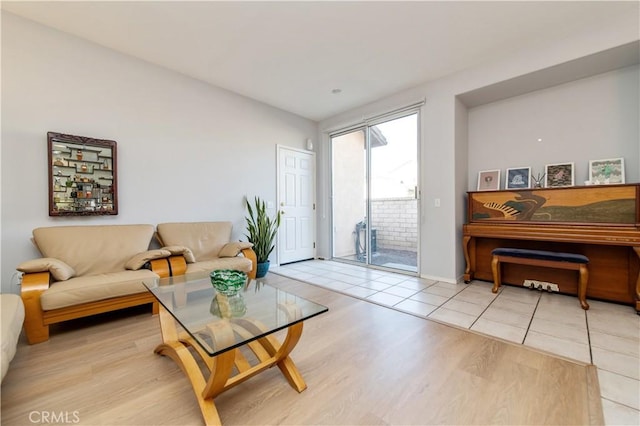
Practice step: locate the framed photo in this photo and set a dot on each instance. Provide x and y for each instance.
(559, 175)
(605, 172)
(489, 180)
(518, 178)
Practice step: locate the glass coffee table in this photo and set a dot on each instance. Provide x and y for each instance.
(228, 333)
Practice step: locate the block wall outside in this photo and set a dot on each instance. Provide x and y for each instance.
(396, 223)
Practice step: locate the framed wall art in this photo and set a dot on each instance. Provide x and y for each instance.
(83, 178)
(489, 180)
(605, 172)
(559, 175)
(518, 178)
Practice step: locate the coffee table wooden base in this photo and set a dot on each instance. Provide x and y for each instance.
(268, 350)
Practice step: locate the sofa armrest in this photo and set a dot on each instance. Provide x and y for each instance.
(234, 248)
(169, 266)
(59, 270)
(181, 251)
(32, 287)
(251, 255)
(141, 259)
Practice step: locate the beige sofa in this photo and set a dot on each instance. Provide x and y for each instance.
(207, 246)
(86, 270)
(11, 320)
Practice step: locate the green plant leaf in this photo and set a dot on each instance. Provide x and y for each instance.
(261, 229)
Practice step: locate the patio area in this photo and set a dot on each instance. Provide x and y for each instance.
(404, 260)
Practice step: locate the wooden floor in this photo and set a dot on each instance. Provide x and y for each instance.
(363, 364)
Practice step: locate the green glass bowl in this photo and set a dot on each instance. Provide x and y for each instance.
(228, 281)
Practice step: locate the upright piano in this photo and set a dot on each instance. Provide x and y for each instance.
(601, 222)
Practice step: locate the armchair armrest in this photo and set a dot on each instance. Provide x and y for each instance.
(251, 255)
(173, 263)
(32, 287)
(37, 277)
(234, 248)
(189, 257)
(169, 266)
(59, 270)
(161, 261)
(141, 259)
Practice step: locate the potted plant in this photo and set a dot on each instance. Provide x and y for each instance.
(262, 231)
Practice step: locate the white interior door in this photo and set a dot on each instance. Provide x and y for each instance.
(296, 198)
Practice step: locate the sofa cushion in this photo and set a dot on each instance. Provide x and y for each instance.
(59, 270)
(205, 239)
(80, 290)
(92, 250)
(12, 318)
(238, 263)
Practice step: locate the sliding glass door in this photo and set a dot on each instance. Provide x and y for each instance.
(375, 207)
(349, 196)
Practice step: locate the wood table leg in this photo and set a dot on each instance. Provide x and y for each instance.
(267, 349)
(637, 250)
(582, 286)
(495, 268)
(221, 332)
(468, 248)
(285, 363)
(180, 354)
(280, 352)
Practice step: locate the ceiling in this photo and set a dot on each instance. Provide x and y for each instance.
(294, 55)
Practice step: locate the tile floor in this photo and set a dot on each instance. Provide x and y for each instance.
(607, 335)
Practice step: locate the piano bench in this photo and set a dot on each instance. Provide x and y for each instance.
(542, 258)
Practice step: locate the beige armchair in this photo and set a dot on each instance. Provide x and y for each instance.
(206, 246)
(86, 270)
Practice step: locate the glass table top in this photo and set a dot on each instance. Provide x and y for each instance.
(209, 317)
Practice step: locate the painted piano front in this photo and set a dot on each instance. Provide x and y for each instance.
(601, 222)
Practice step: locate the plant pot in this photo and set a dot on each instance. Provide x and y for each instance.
(262, 269)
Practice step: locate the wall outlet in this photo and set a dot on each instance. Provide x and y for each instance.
(16, 279)
(541, 285)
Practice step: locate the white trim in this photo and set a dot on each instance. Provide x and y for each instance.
(290, 148)
(393, 114)
(356, 123)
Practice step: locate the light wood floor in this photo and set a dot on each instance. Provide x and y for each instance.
(363, 364)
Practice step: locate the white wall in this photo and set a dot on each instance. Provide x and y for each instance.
(588, 119)
(445, 155)
(187, 151)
